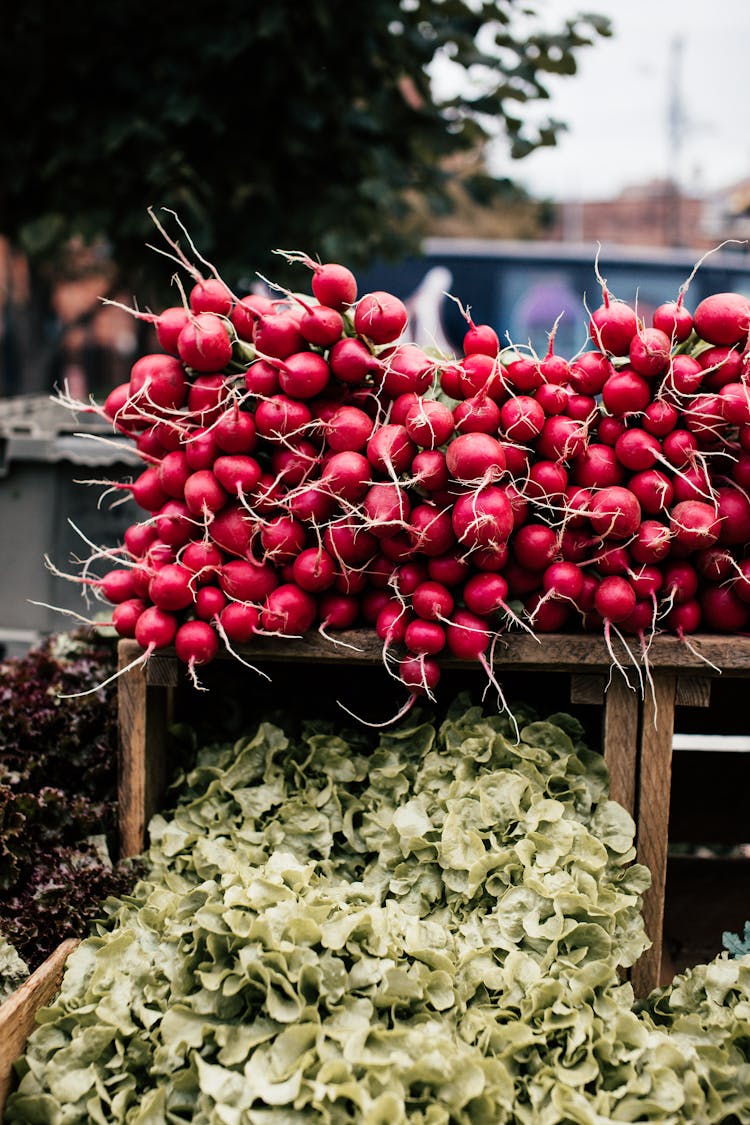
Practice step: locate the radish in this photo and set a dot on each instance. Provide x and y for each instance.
(196, 643)
(649, 352)
(450, 569)
(674, 320)
(239, 622)
(211, 295)
(694, 524)
(521, 418)
(429, 423)
(475, 459)
(314, 570)
(158, 381)
(155, 628)
(303, 375)
(432, 601)
(390, 450)
(125, 616)
(380, 317)
(613, 325)
(234, 431)
(430, 471)
(348, 428)
(262, 379)
(171, 587)
(723, 318)
(352, 361)
(205, 343)
(338, 611)
(203, 494)
(589, 372)
(277, 334)
(626, 393)
(615, 599)
(246, 580)
(430, 530)
(614, 513)
(282, 539)
(237, 474)
(281, 416)
(209, 602)
(535, 546)
(406, 368)
(346, 476)
(478, 414)
(288, 610)
(386, 508)
(722, 610)
(168, 324)
(424, 638)
(483, 518)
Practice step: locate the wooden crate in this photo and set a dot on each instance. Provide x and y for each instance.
(636, 729)
(18, 1013)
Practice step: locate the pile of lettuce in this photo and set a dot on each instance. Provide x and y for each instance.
(58, 797)
(429, 925)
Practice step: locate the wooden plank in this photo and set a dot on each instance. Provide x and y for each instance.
(554, 652)
(18, 1013)
(621, 741)
(587, 690)
(693, 691)
(142, 757)
(653, 818)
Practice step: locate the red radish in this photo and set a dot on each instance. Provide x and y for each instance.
(684, 377)
(314, 570)
(138, 537)
(486, 594)
(430, 530)
(303, 375)
(171, 587)
(477, 415)
(392, 621)
(733, 507)
(234, 431)
(346, 476)
(211, 295)
(430, 471)
(429, 423)
(352, 361)
(562, 438)
(482, 339)
(282, 539)
(723, 318)
(333, 284)
(311, 503)
(158, 381)
(203, 493)
(659, 418)
(722, 610)
(125, 616)
(262, 379)
(610, 429)
(239, 622)
(337, 611)
(205, 343)
(694, 524)
(626, 393)
(535, 546)
(246, 311)
(147, 491)
(613, 325)
(173, 473)
(679, 447)
(169, 323)
(246, 580)
(202, 558)
(674, 320)
(521, 418)
(201, 448)
(281, 417)
(390, 449)
(480, 374)
(231, 529)
(432, 601)
(680, 581)
(421, 675)
(406, 368)
(475, 458)
(523, 374)
(684, 618)
(597, 467)
(424, 638)
(380, 316)
(652, 542)
(291, 465)
(553, 398)
(714, 563)
(614, 513)
(277, 335)
(482, 519)
(348, 428)
(649, 352)
(546, 614)
(351, 544)
(468, 636)
(450, 569)
(209, 602)
(613, 559)
(581, 407)
(237, 474)
(722, 365)
(615, 599)
(734, 403)
(547, 482)
(207, 397)
(288, 610)
(174, 523)
(386, 508)
(589, 372)
(196, 643)
(637, 450)
(155, 628)
(563, 580)
(321, 325)
(647, 580)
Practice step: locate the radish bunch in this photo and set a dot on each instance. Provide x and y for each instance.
(307, 467)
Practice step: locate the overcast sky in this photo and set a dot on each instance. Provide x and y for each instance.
(617, 106)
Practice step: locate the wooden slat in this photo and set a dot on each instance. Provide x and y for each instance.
(142, 757)
(653, 819)
(587, 690)
(553, 652)
(18, 1013)
(621, 741)
(693, 691)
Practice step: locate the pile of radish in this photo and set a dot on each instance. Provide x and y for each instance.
(308, 468)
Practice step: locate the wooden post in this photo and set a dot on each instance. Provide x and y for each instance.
(653, 819)
(143, 771)
(621, 741)
(18, 1013)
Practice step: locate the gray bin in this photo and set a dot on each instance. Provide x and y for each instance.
(45, 451)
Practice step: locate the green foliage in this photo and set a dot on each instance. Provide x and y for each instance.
(423, 925)
(287, 125)
(736, 945)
